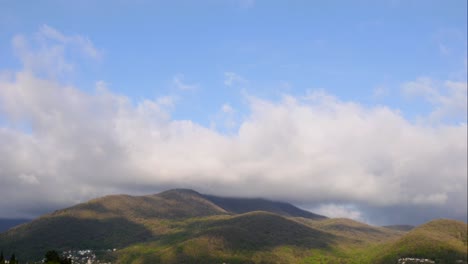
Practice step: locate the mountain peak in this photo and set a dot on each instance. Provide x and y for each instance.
(180, 191)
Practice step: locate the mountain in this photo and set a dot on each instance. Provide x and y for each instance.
(184, 226)
(403, 228)
(7, 223)
(244, 205)
(260, 237)
(442, 240)
(246, 238)
(117, 221)
(357, 231)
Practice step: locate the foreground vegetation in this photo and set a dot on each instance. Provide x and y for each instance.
(249, 239)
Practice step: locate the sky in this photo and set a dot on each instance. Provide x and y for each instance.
(351, 109)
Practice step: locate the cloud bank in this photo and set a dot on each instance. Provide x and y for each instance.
(60, 145)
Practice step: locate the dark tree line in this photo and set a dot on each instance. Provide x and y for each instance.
(13, 259)
(52, 257)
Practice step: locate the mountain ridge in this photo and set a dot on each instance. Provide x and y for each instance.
(129, 218)
(185, 226)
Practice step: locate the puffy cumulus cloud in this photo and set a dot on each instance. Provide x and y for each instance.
(309, 150)
(60, 146)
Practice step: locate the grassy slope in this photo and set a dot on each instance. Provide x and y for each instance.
(268, 238)
(108, 222)
(262, 237)
(357, 231)
(256, 237)
(356, 244)
(403, 228)
(444, 241)
(181, 226)
(116, 221)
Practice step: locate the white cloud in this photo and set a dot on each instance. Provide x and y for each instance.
(311, 149)
(82, 43)
(101, 85)
(339, 211)
(226, 120)
(28, 178)
(166, 101)
(46, 51)
(322, 148)
(233, 79)
(435, 198)
(48, 60)
(449, 99)
(179, 83)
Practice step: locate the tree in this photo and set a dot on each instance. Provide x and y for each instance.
(65, 261)
(13, 259)
(52, 257)
(2, 259)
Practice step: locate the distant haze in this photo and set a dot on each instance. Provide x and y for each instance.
(64, 141)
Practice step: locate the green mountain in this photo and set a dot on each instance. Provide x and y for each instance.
(254, 237)
(400, 227)
(360, 233)
(244, 205)
(117, 221)
(183, 226)
(443, 240)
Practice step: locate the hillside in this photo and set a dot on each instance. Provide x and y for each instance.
(109, 222)
(357, 231)
(403, 228)
(183, 226)
(260, 237)
(173, 204)
(6, 224)
(247, 238)
(443, 240)
(244, 205)
(117, 221)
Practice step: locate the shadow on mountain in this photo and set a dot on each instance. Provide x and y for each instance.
(253, 231)
(261, 230)
(244, 205)
(234, 239)
(65, 232)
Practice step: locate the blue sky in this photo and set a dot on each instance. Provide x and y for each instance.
(348, 108)
(348, 48)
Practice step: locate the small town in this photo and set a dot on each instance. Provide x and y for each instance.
(414, 261)
(86, 256)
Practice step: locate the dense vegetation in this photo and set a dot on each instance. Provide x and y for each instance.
(444, 241)
(182, 226)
